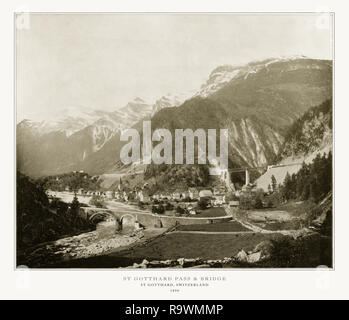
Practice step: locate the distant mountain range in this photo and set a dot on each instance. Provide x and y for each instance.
(257, 102)
(60, 141)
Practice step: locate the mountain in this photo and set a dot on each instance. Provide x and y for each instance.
(134, 111)
(222, 75)
(257, 103)
(168, 101)
(59, 141)
(309, 136)
(67, 120)
(257, 106)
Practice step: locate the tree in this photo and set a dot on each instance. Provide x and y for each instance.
(141, 205)
(313, 181)
(287, 188)
(273, 183)
(270, 190)
(326, 227)
(203, 203)
(258, 204)
(180, 210)
(161, 209)
(168, 206)
(270, 203)
(75, 205)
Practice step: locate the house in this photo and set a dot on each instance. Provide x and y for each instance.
(165, 196)
(234, 204)
(143, 196)
(81, 191)
(184, 194)
(218, 199)
(139, 195)
(176, 196)
(205, 194)
(67, 188)
(191, 210)
(146, 197)
(193, 193)
(156, 196)
(110, 194)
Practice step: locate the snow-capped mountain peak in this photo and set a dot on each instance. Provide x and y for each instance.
(222, 75)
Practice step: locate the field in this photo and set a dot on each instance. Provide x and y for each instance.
(267, 215)
(292, 209)
(231, 226)
(211, 212)
(290, 216)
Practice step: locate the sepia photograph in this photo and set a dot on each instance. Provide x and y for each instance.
(174, 140)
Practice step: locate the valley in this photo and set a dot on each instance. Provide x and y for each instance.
(79, 205)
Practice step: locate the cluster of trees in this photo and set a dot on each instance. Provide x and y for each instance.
(181, 210)
(253, 200)
(38, 220)
(204, 203)
(162, 207)
(72, 180)
(181, 176)
(312, 182)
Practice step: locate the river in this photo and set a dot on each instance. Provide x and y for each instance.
(84, 245)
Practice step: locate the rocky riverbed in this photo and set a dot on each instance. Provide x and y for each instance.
(76, 247)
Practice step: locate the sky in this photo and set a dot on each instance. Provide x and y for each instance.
(103, 61)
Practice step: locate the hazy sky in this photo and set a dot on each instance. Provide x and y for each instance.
(102, 61)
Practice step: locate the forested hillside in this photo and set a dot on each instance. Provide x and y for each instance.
(312, 182)
(310, 132)
(38, 220)
(72, 180)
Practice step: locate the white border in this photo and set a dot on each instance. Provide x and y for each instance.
(247, 284)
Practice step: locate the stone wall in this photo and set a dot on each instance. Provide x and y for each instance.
(167, 221)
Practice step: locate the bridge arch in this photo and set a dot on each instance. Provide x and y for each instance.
(127, 221)
(101, 216)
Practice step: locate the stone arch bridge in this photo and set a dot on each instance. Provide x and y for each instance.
(121, 219)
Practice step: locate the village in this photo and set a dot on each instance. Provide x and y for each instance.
(220, 198)
(192, 201)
